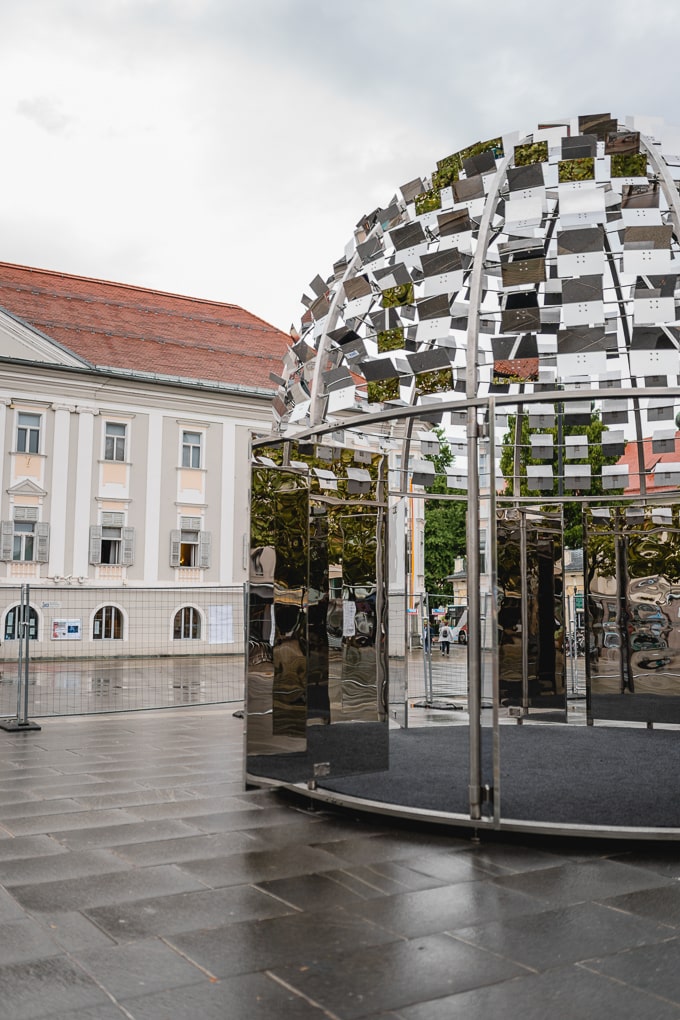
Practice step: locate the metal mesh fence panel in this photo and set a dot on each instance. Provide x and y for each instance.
(121, 649)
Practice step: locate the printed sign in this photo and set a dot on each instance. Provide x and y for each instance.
(66, 630)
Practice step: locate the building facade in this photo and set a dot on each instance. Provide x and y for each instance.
(125, 418)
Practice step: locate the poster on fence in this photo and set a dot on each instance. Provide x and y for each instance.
(66, 630)
(221, 625)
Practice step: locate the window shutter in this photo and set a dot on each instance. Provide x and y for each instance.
(204, 548)
(6, 540)
(190, 523)
(42, 545)
(127, 556)
(175, 543)
(95, 544)
(113, 520)
(25, 513)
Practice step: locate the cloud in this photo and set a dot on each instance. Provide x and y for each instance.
(45, 113)
(227, 149)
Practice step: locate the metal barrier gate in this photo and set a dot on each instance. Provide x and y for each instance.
(78, 650)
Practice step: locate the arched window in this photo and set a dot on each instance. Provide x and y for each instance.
(187, 623)
(13, 619)
(107, 624)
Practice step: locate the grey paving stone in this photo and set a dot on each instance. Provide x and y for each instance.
(25, 939)
(103, 889)
(259, 866)
(187, 848)
(73, 931)
(193, 806)
(132, 798)
(246, 997)
(59, 866)
(454, 866)
(385, 879)
(99, 1012)
(662, 859)
(395, 974)
(56, 822)
(652, 969)
(40, 988)
(660, 904)
(567, 994)
(112, 835)
(148, 965)
(9, 909)
(585, 880)
(23, 847)
(366, 847)
(243, 818)
(17, 797)
(43, 806)
(250, 946)
(444, 908)
(166, 915)
(314, 892)
(558, 937)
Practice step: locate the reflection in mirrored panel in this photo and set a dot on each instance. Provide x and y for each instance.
(276, 689)
(633, 625)
(317, 614)
(530, 610)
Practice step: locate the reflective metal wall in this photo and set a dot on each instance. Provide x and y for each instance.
(633, 619)
(530, 610)
(316, 696)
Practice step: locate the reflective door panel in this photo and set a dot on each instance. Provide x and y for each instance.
(633, 613)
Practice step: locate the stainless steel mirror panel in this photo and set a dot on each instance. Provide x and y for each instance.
(633, 614)
(317, 674)
(277, 666)
(530, 613)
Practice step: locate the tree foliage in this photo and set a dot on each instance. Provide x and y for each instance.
(444, 525)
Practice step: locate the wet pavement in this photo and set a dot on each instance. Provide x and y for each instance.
(140, 880)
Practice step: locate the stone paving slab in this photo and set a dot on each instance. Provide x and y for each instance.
(139, 880)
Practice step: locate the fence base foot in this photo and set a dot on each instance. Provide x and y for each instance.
(14, 726)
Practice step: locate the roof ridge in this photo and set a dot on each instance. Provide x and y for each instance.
(131, 287)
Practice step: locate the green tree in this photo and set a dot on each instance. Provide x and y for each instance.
(573, 526)
(444, 524)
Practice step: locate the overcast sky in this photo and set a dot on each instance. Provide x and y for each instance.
(226, 148)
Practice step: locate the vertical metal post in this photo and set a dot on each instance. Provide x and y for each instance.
(473, 529)
(474, 629)
(19, 628)
(492, 614)
(26, 599)
(524, 610)
(23, 633)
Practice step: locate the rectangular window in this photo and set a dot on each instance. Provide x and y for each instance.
(111, 543)
(114, 442)
(191, 449)
(188, 549)
(24, 537)
(28, 433)
(189, 545)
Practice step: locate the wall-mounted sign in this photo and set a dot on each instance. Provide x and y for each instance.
(66, 630)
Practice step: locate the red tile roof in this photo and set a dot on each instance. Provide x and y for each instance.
(117, 325)
(651, 459)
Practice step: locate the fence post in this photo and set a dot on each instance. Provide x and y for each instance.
(22, 724)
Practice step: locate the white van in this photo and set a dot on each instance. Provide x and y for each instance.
(460, 631)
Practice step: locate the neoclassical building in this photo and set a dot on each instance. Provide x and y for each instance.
(125, 417)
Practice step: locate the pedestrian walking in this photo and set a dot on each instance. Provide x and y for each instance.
(427, 636)
(445, 639)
